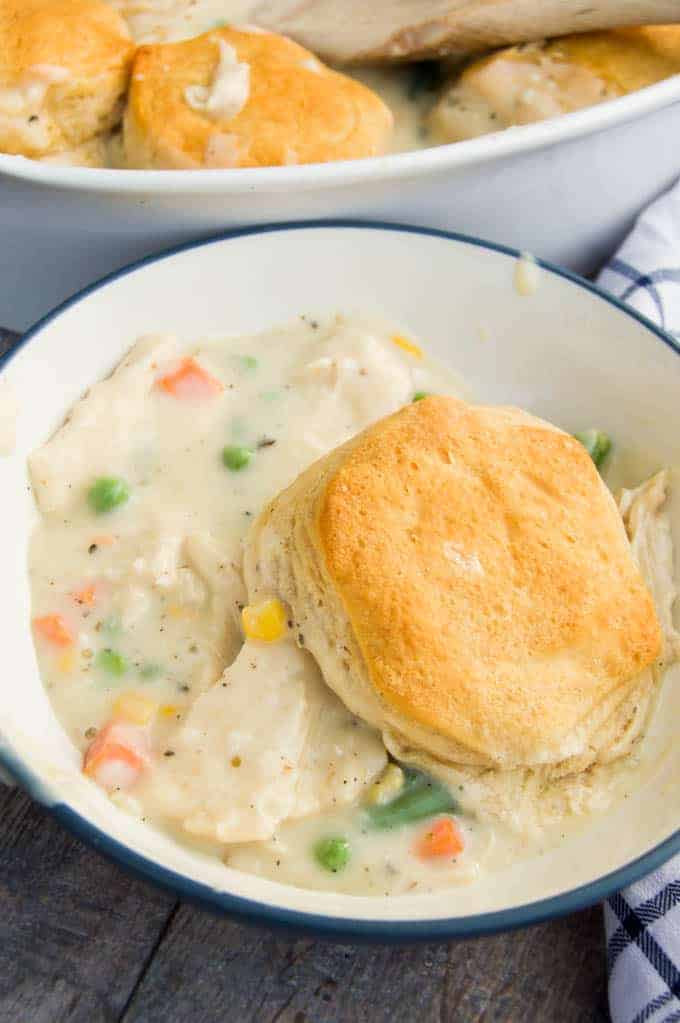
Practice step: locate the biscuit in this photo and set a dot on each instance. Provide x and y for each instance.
(464, 579)
(64, 67)
(523, 84)
(246, 98)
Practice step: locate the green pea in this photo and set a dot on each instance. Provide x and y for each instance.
(236, 458)
(111, 662)
(597, 443)
(107, 493)
(420, 797)
(332, 853)
(419, 395)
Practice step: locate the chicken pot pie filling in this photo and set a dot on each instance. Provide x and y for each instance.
(192, 697)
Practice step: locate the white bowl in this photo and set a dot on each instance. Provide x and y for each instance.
(566, 352)
(567, 189)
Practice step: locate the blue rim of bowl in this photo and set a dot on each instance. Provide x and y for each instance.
(338, 928)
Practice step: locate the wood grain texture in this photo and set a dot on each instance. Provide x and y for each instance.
(75, 932)
(216, 970)
(81, 942)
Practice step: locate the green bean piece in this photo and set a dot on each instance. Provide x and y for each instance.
(111, 662)
(419, 395)
(597, 443)
(107, 493)
(332, 853)
(420, 797)
(236, 457)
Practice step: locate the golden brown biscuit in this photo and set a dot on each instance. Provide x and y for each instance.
(246, 98)
(64, 67)
(463, 577)
(528, 83)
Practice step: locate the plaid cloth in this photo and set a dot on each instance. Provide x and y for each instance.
(643, 921)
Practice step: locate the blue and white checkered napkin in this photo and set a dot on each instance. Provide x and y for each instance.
(643, 921)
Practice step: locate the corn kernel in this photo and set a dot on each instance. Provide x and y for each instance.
(66, 661)
(135, 707)
(408, 346)
(388, 785)
(265, 621)
(169, 710)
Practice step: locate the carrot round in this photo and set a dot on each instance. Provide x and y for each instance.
(106, 752)
(117, 755)
(442, 839)
(54, 629)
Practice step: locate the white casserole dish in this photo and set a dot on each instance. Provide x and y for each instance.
(594, 363)
(566, 189)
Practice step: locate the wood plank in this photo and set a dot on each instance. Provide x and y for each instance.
(208, 969)
(75, 931)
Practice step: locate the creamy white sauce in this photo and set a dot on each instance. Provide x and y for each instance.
(247, 745)
(229, 90)
(528, 86)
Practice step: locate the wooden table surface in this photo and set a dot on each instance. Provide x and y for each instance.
(83, 942)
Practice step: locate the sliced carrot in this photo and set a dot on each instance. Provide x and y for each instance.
(190, 381)
(442, 838)
(103, 540)
(86, 596)
(117, 756)
(54, 629)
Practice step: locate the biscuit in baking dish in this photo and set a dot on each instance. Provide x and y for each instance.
(246, 98)
(64, 67)
(522, 84)
(463, 577)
